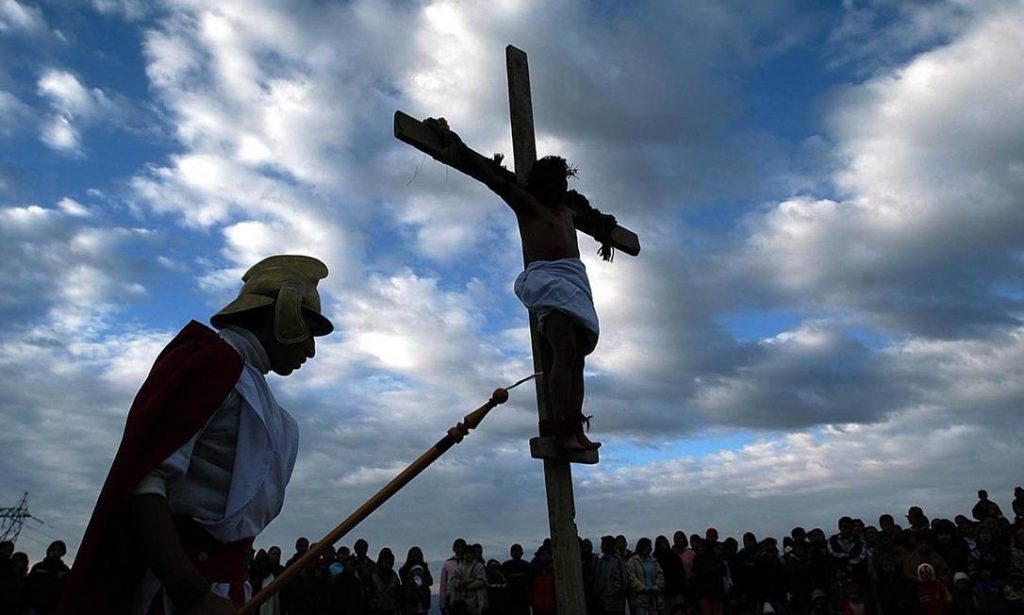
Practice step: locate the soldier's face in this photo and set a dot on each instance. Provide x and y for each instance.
(286, 358)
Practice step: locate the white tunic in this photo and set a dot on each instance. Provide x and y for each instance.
(231, 476)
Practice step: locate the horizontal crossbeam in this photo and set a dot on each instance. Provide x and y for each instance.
(424, 138)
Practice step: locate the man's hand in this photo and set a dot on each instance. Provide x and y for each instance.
(452, 142)
(212, 604)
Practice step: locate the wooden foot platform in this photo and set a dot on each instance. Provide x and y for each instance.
(545, 448)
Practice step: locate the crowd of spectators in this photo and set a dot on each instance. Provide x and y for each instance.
(967, 565)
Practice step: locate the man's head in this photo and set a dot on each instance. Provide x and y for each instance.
(458, 547)
(607, 545)
(361, 547)
(982, 494)
(749, 540)
(280, 304)
(845, 527)
(6, 549)
(548, 180)
(586, 547)
(56, 550)
(19, 560)
(679, 540)
(516, 551)
(816, 537)
(274, 555)
(302, 545)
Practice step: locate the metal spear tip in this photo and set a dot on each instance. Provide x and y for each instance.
(500, 396)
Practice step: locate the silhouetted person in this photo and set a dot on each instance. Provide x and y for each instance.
(382, 585)
(517, 575)
(206, 455)
(416, 582)
(467, 586)
(347, 595)
(672, 567)
(646, 580)
(985, 507)
(17, 597)
(554, 285)
(307, 591)
(47, 578)
(609, 593)
(447, 569)
(497, 589)
(542, 582)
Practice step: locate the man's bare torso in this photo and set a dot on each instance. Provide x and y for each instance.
(548, 233)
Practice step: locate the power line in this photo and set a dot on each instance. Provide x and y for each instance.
(12, 519)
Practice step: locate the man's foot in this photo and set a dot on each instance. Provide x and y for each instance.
(586, 442)
(568, 437)
(571, 442)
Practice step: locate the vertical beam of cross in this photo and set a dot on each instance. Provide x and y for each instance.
(557, 473)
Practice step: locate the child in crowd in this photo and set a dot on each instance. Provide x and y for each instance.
(963, 597)
(932, 594)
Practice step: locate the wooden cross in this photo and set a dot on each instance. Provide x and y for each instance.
(557, 469)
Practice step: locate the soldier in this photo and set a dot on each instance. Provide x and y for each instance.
(205, 458)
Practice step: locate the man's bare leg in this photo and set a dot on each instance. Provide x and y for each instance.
(578, 390)
(564, 382)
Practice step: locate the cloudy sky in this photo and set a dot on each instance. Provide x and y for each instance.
(825, 318)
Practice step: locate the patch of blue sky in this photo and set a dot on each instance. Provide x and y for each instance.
(1008, 289)
(783, 95)
(109, 157)
(103, 51)
(102, 54)
(756, 325)
(697, 446)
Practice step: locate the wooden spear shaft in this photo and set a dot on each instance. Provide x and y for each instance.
(453, 437)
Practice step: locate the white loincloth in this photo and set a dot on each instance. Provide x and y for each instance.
(560, 285)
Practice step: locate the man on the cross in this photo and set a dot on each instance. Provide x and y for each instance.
(554, 285)
(205, 458)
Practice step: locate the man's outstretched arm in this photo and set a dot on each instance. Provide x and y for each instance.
(487, 171)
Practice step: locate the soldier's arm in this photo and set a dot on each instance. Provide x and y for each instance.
(153, 530)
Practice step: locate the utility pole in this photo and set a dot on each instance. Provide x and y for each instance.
(13, 518)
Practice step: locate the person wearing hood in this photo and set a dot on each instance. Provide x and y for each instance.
(933, 596)
(963, 598)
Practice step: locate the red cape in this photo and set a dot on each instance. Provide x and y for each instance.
(189, 380)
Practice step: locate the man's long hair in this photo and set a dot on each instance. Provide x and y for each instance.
(548, 178)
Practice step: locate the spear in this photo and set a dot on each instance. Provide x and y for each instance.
(453, 437)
